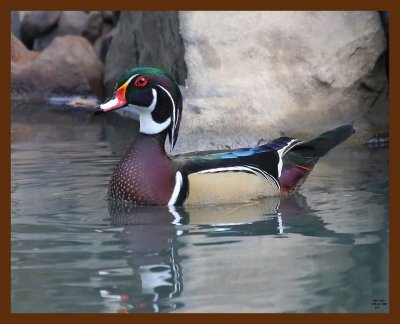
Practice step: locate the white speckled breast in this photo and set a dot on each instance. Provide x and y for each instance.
(144, 175)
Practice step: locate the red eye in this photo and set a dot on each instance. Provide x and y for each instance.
(141, 82)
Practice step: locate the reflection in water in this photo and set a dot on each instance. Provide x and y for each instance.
(324, 250)
(151, 235)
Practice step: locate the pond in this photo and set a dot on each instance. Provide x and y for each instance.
(324, 249)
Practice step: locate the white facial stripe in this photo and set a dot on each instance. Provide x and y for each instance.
(174, 117)
(147, 124)
(130, 79)
(177, 189)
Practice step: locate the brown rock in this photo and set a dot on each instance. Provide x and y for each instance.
(20, 55)
(69, 66)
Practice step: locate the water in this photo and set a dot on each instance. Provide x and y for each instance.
(322, 250)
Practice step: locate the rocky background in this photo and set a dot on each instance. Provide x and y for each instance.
(247, 77)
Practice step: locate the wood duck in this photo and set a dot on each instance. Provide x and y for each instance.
(146, 175)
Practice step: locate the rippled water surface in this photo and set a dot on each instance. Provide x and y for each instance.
(322, 250)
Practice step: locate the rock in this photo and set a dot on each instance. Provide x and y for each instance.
(108, 16)
(82, 102)
(20, 55)
(93, 26)
(384, 15)
(15, 24)
(379, 140)
(145, 39)
(35, 24)
(115, 17)
(70, 23)
(285, 73)
(69, 66)
(103, 43)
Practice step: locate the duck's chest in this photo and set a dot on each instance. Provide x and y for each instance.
(144, 175)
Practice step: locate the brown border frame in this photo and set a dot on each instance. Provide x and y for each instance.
(388, 5)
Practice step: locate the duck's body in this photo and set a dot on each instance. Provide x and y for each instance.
(146, 175)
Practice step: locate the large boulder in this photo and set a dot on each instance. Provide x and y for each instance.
(35, 24)
(145, 39)
(20, 55)
(69, 66)
(253, 76)
(20, 58)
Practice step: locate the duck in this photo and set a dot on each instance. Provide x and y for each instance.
(148, 175)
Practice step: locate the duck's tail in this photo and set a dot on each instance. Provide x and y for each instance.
(300, 160)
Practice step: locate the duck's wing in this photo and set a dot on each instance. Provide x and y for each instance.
(267, 158)
(224, 176)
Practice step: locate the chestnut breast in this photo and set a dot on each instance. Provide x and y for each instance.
(144, 175)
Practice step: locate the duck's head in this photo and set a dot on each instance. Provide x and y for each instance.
(154, 95)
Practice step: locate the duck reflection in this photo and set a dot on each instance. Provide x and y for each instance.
(151, 236)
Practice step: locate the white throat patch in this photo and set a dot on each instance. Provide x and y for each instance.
(147, 124)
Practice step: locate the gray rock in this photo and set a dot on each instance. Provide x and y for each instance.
(93, 26)
(116, 16)
(70, 23)
(285, 73)
(145, 39)
(69, 66)
(103, 43)
(35, 24)
(108, 16)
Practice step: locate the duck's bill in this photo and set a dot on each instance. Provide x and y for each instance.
(118, 101)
